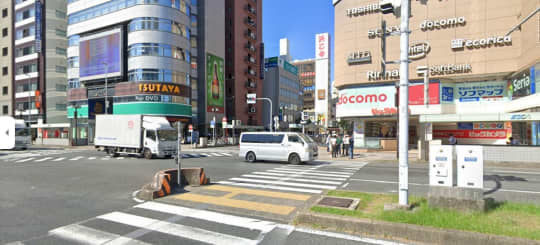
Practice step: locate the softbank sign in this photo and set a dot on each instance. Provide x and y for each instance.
(365, 101)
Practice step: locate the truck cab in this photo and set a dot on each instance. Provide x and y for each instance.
(159, 139)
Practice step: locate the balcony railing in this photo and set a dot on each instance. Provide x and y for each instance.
(250, 59)
(250, 72)
(250, 9)
(250, 22)
(250, 34)
(251, 84)
(250, 47)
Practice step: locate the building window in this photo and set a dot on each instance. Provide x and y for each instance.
(27, 68)
(73, 62)
(5, 90)
(60, 32)
(4, 71)
(156, 49)
(4, 51)
(61, 107)
(4, 13)
(61, 69)
(60, 14)
(73, 41)
(158, 76)
(74, 83)
(25, 50)
(5, 110)
(4, 32)
(61, 51)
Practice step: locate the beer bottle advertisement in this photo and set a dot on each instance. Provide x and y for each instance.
(215, 84)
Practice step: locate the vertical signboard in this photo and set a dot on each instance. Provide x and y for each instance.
(321, 46)
(215, 89)
(359, 133)
(38, 26)
(322, 77)
(261, 61)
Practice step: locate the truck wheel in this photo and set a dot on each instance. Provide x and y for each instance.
(112, 152)
(250, 157)
(147, 153)
(294, 159)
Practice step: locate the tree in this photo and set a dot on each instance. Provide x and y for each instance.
(345, 125)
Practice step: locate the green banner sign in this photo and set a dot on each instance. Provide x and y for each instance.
(215, 84)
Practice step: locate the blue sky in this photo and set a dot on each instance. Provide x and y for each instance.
(299, 21)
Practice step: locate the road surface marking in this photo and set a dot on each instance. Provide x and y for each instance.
(76, 158)
(293, 179)
(216, 154)
(173, 229)
(204, 155)
(43, 159)
(105, 158)
(306, 173)
(284, 183)
(259, 192)
(342, 236)
(345, 185)
(249, 223)
(86, 235)
(318, 171)
(273, 187)
(300, 175)
(26, 160)
(227, 154)
(227, 202)
(59, 159)
(119, 158)
(92, 158)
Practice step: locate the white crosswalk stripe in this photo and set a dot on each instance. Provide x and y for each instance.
(59, 159)
(76, 158)
(304, 178)
(216, 154)
(85, 235)
(43, 159)
(26, 160)
(92, 158)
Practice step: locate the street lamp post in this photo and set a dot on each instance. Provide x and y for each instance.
(106, 88)
(75, 119)
(269, 101)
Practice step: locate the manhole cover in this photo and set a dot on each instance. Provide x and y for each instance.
(336, 202)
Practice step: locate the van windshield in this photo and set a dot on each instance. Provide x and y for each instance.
(22, 132)
(306, 138)
(167, 135)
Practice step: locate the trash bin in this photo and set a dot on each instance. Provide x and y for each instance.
(203, 142)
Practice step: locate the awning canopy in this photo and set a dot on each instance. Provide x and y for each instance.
(494, 117)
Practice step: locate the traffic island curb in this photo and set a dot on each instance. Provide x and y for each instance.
(405, 232)
(166, 182)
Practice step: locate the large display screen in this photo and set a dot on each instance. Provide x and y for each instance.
(215, 84)
(100, 54)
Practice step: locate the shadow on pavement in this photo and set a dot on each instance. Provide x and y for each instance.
(498, 179)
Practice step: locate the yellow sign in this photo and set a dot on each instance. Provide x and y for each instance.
(159, 88)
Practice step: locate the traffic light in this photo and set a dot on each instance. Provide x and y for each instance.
(390, 6)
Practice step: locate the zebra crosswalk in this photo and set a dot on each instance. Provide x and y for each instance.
(312, 179)
(43, 159)
(161, 223)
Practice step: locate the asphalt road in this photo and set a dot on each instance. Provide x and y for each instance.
(44, 190)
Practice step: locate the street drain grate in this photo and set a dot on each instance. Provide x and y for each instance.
(336, 202)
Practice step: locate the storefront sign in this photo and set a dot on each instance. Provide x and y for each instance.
(481, 43)
(373, 33)
(321, 44)
(473, 91)
(365, 101)
(368, 9)
(450, 69)
(416, 94)
(488, 125)
(523, 84)
(166, 88)
(418, 50)
(377, 75)
(359, 57)
(428, 25)
(471, 134)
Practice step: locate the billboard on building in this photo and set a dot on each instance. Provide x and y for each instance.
(322, 44)
(474, 92)
(100, 55)
(322, 77)
(522, 84)
(366, 101)
(215, 84)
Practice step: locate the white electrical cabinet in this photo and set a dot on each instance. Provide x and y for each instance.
(441, 165)
(470, 166)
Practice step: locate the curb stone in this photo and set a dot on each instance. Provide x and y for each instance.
(407, 232)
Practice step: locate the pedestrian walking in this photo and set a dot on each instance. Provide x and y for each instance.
(328, 143)
(339, 143)
(345, 150)
(333, 146)
(351, 147)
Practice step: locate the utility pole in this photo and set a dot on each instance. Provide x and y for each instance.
(404, 106)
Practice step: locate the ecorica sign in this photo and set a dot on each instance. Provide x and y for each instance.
(481, 43)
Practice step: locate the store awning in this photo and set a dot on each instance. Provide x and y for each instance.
(494, 117)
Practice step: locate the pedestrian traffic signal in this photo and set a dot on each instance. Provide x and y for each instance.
(390, 6)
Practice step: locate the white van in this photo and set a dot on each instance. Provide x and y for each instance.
(294, 148)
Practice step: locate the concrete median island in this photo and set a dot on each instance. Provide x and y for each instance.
(501, 223)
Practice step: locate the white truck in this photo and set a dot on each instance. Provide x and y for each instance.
(14, 134)
(141, 135)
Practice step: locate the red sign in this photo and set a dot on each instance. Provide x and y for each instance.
(359, 99)
(190, 127)
(471, 134)
(322, 45)
(416, 94)
(224, 119)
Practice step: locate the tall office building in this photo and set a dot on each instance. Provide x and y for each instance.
(6, 57)
(39, 58)
(306, 74)
(245, 60)
(129, 57)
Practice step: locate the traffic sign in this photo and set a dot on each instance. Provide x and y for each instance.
(212, 124)
(190, 127)
(251, 98)
(224, 120)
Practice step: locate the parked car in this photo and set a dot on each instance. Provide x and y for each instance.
(292, 147)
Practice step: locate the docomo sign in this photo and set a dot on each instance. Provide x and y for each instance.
(443, 23)
(365, 101)
(321, 46)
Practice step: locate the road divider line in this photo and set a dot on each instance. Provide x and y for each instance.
(298, 197)
(86, 235)
(43, 159)
(233, 203)
(284, 183)
(300, 175)
(307, 173)
(273, 187)
(226, 219)
(293, 179)
(174, 229)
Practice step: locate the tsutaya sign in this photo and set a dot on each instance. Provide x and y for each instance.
(433, 70)
(481, 43)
